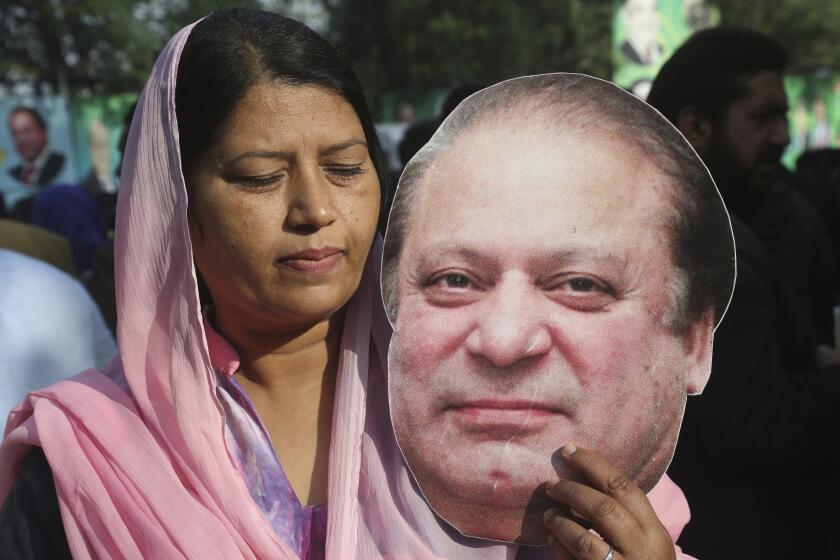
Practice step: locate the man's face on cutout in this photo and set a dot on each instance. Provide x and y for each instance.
(28, 136)
(533, 299)
(748, 143)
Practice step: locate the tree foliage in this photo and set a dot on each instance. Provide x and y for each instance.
(89, 46)
(107, 46)
(808, 29)
(399, 44)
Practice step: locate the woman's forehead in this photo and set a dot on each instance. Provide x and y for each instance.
(274, 112)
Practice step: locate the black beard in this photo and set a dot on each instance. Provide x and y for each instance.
(743, 189)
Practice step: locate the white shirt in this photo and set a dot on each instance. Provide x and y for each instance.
(50, 328)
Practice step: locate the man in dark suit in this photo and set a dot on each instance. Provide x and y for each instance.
(756, 457)
(29, 132)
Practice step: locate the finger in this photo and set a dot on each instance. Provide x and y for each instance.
(610, 481)
(558, 551)
(608, 517)
(577, 541)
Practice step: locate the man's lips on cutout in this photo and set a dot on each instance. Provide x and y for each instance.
(313, 261)
(502, 417)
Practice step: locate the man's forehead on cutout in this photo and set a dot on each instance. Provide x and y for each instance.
(524, 163)
(569, 196)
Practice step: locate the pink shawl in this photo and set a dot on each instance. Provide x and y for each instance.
(138, 451)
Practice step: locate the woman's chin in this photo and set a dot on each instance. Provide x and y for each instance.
(301, 309)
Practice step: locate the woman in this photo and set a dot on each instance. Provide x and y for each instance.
(223, 435)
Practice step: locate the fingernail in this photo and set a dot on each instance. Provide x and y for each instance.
(550, 486)
(549, 514)
(568, 449)
(551, 538)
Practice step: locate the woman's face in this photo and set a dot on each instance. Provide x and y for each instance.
(284, 206)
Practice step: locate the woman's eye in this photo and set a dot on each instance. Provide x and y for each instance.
(344, 172)
(256, 182)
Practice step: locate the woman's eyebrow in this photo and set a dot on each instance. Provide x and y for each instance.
(341, 146)
(277, 154)
(262, 154)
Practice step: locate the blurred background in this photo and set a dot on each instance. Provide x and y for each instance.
(81, 63)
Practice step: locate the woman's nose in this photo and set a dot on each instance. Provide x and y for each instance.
(312, 201)
(512, 328)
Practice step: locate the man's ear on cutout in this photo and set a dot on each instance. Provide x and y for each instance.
(696, 127)
(698, 352)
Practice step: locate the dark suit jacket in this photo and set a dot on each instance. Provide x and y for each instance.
(794, 234)
(757, 453)
(49, 172)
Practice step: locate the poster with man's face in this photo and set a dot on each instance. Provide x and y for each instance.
(35, 146)
(646, 32)
(546, 285)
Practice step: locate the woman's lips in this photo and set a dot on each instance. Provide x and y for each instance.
(313, 261)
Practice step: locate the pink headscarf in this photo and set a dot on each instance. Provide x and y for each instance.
(138, 451)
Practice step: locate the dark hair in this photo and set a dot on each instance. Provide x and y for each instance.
(39, 120)
(702, 245)
(707, 72)
(231, 50)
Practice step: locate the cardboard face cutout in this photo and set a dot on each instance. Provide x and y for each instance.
(556, 260)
